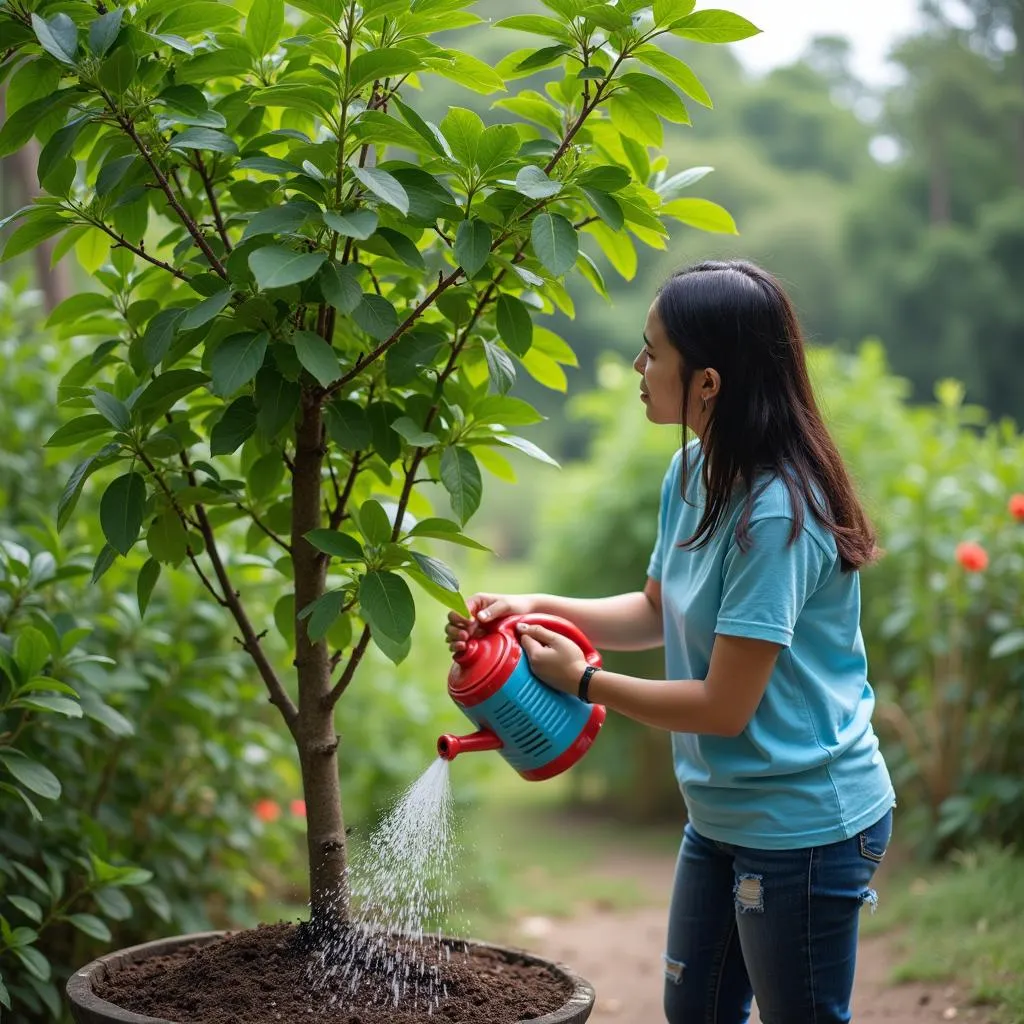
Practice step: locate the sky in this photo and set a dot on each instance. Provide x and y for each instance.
(788, 25)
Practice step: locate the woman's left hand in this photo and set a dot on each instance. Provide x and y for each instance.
(554, 659)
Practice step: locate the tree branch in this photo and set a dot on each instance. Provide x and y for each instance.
(190, 225)
(339, 510)
(263, 526)
(346, 676)
(204, 579)
(139, 251)
(212, 196)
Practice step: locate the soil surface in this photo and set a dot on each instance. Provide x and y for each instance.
(620, 954)
(260, 977)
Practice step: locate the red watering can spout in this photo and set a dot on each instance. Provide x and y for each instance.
(449, 747)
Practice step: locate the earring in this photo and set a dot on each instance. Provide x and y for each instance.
(704, 400)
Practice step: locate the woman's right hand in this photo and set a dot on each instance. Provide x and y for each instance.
(483, 609)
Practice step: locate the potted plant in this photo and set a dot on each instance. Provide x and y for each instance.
(314, 300)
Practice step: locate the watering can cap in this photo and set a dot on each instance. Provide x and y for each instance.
(484, 665)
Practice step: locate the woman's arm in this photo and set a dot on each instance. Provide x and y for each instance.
(626, 622)
(720, 705)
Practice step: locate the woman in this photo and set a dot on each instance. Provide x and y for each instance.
(753, 589)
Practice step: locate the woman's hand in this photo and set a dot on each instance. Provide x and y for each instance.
(554, 659)
(483, 609)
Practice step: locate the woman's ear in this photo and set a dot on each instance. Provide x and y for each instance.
(711, 383)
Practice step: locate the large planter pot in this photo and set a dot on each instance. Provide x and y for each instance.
(89, 1008)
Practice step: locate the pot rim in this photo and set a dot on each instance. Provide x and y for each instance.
(80, 992)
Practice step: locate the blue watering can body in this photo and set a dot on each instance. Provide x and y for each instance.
(540, 731)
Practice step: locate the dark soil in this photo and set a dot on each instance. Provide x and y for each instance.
(263, 976)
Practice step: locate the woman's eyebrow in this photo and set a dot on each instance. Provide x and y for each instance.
(647, 341)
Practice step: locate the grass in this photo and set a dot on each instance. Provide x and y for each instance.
(963, 922)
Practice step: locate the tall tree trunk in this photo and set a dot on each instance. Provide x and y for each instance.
(317, 740)
(20, 167)
(940, 202)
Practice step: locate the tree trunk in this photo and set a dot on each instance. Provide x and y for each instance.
(317, 740)
(940, 203)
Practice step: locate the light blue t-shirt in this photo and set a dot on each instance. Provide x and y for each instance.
(806, 770)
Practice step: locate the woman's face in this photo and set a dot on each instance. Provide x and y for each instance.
(661, 367)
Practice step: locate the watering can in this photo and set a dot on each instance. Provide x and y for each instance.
(540, 731)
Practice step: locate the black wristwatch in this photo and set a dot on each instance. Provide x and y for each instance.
(585, 683)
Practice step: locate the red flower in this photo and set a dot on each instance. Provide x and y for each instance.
(267, 810)
(299, 808)
(1016, 506)
(972, 556)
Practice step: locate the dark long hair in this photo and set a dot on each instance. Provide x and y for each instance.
(735, 317)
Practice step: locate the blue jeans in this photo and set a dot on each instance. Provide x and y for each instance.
(780, 925)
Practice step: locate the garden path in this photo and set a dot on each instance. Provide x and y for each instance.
(619, 951)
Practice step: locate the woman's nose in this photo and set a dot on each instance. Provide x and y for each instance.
(638, 363)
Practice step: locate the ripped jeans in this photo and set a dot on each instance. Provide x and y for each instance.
(778, 924)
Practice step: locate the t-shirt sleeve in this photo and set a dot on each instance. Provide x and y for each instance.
(766, 586)
(654, 564)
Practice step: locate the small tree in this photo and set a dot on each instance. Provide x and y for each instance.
(314, 299)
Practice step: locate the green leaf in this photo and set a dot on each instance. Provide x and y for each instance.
(526, 447)
(376, 316)
(167, 538)
(394, 652)
(162, 393)
(555, 242)
(312, 99)
(714, 26)
(544, 57)
(340, 287)
(51, 702)
(472, 245)
(500, 368)
(113, 903)
(276, 267)
(205, 311)
(460, 476)
(633, 118)
(385, 186)
(118, 71)
(29, 908)
(149, 574)
(407, 429)
(263, 25)
(462, 129)
(58, 37)
(672, 186)
(436, 571)
(348, 425)
(606, 207)
(268, 165)
(59, 146)
(357, 224)
(658, 96)
(467, 70)
(322, 614)
(498, 144)
(121, 511)
(702, 214)
(533, 182)
(80, 429)
(277, 400)
(31, 774)
(156, 342)
(235, 427)
(73, 488)
(515, 325)
(34, 961)
(373, 522)
(545, 370)
(265, 475)
(676, 71)
(317, 357)
(90, 925)
(446, 530)
(1008, 643)
(236, 360)
(31, 651)
(32, 232)
(535, 23)
(22, 125)
(103, 31)
(388, 62)
(667, 11)
(206, 139)
(286, 219)
(339, 545)
(416, 349)
(113, 410)
(386, 603)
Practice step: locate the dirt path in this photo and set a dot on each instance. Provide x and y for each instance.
(620, 953)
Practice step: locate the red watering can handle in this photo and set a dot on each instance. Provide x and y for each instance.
(557, 625)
